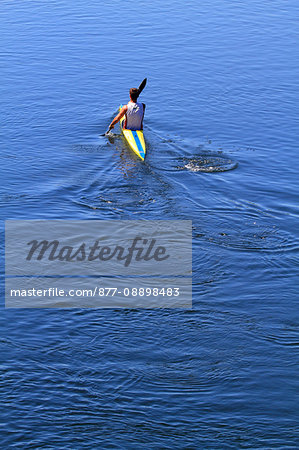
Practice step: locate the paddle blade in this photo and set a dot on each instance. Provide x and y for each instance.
(142, 85)
(106, 134)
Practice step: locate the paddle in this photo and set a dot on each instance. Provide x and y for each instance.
(142, 85)
(140, 89)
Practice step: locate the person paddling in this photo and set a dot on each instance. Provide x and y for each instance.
(134, 112)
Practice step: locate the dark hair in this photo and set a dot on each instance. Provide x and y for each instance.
(134, 94)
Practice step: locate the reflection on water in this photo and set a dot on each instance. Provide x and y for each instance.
(127, 161)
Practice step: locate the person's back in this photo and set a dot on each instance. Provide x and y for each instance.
(134, 112)
(134, 116)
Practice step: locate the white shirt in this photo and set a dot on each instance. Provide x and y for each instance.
(134, 116)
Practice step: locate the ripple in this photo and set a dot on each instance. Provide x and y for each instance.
(287, 340)
(245, 231)
(87, 148)
(7, 197)
(208, 163)
(129, 198)
(279, 334)
(254, 239)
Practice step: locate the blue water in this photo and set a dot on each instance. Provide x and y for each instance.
(222, 135)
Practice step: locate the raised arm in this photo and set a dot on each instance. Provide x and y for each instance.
(118, 117)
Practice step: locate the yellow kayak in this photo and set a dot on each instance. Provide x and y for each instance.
(135, 139)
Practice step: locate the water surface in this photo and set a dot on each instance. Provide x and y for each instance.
(222, 136)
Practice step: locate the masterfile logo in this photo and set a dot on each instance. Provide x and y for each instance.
(95, 247)
(140, 250)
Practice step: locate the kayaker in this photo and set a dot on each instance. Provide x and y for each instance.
(134, 112)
